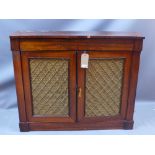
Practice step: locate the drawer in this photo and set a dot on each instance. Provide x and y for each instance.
(76, 44)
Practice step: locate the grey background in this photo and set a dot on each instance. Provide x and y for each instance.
(146, 82)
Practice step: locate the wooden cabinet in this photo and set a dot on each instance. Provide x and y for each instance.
(55, 93)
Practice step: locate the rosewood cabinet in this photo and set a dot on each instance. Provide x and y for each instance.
(55, 93)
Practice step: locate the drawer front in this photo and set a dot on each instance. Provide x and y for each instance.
(49, 86)
(104, 86)
(76, 44)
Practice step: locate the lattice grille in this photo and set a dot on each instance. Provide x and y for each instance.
(103, 87)
(49, 82)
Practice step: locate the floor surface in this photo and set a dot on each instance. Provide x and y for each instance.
(144, 118)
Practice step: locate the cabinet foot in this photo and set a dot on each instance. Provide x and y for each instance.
(24, 127)
(128, 125)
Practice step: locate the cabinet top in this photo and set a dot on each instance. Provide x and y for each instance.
(76, 34)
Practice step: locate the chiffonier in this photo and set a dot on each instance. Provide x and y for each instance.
(76, 80)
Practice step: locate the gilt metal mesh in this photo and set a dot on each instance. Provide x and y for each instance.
(49, 84)
(103, 87)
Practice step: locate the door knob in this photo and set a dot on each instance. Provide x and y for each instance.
(79, 92)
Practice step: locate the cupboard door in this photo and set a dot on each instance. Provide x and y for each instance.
(103, 86)
(50, 85)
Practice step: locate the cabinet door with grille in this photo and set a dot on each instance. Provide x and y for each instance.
(50, 85)
(102, 87)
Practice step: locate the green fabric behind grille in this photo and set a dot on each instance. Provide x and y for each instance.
(103, 87)
(49, 82)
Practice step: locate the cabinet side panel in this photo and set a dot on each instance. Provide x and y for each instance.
(133, 84)
(19, 85)
(133, 78)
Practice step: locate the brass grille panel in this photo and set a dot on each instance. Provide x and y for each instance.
(49, 84)
(103, 87)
